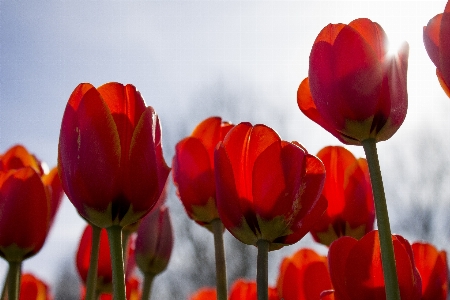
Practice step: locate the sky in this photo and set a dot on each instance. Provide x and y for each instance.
(189, 60)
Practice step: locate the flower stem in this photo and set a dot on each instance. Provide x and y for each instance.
(91, 280)
(147, 288)
(262, 265)
(221, 271)
(13, 278)
(115, 245)
(384, 228)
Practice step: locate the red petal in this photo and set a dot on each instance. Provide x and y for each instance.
(145, 178)
(432, 266)
(373, 34)
(312, 205)
(18, 157)
(329, 33)
(89, 153)
(444, 47)
(431, 38)
(209, 132)
(52, 181)
(337, 259)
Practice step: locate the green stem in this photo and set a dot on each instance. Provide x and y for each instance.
(384, 228)
(115, 246)
(5, 284)
(262, 265)
(13, 277)
(147, 288)
(221, 271)
(91, 280)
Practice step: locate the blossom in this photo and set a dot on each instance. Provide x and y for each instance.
(348, 191)
(193, 169)
(355, 90)
(110, 154)
(29, 200)
(303, 276)
(206, 293)
(437, 44)
(267, 189)
(154, 241)
(356, 271)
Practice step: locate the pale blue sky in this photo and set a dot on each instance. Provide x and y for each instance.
(181, 55)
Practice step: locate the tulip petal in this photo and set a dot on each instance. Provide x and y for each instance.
(337, 258)
(444, 47)
(431, 39)
(89, 152)
(308, 107)
(209, 133)
(432, 266)
(148, 170)
(373, 34)
(229, 206)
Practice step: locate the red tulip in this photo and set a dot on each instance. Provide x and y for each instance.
(193, 169)
(437, 44)
(204, 294)
(355, 90)
(32, 288)
(303, 276)
(432, 266)
(356, 271)
(154, 241)
(104, 272)
(110, 155)
(246, 290)
(348, 191)
(29, 199)
(267, 189)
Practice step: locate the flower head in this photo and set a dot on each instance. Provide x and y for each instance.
(29, 200)
(348, 191)
(193, 169)
(110, 154)
(354, 89)
(267, 189)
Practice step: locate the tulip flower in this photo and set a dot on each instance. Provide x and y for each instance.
(153, 246)
(24, 184)
(351, 210)
(246, 290)
(193, 169)
(32, 288)
(206, 293)
(303, 276)
(355, 90)
(193, 175)
(110, 161)
(437, 44)
(356, 271)
(267, 190)
(432, 266)
(110, 154)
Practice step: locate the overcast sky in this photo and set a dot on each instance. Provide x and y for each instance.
(187, 59)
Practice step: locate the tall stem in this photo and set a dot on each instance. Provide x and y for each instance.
(384, 228)
(115, 246)
(91, 281)
(13, 278)
(147, 288)
(221, 271)
(262, 265)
